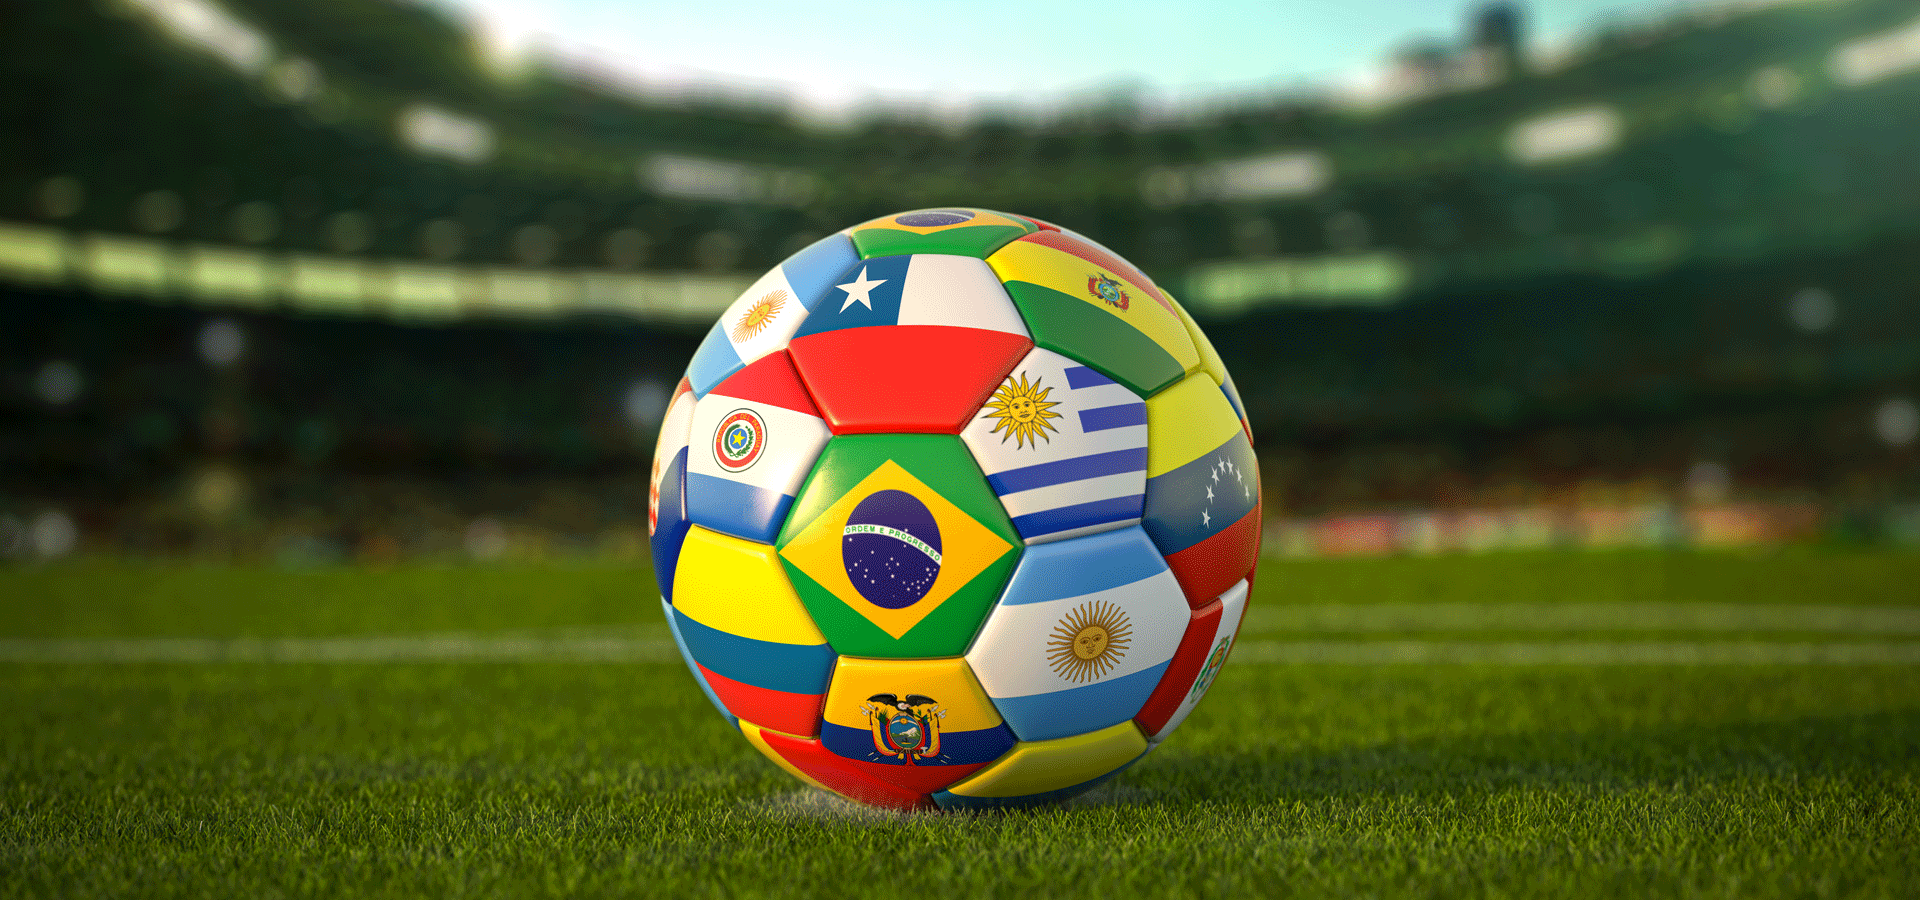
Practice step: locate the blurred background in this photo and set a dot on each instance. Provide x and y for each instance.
(375, 280)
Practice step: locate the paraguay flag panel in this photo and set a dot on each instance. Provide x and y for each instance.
(1203, 488)
(956, 231)
(1203, 651)
(756, 437)
(753, 642)
(1064, 446)
(955, 334)
(913, 713)
(1040, 771)
(1082, 634)
(765, 316)
(667, 487)
(1093, 306)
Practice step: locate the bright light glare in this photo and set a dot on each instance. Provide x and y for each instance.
(1565, 135)
(433, 131)
(1872, 58)
(698, 178)
(207, 26)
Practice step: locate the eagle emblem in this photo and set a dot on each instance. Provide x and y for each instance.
(905, 728)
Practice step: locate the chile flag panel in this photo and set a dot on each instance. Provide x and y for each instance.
(1082, 635)
(1064, 446)
(1044, 771)
(1211, 364)
(754, 439)
(909, 344)
(752, 641)
(667, 488)
(1088, 304)
(765, 316)
(1203, 651)
(959, 232)
(1203, 489)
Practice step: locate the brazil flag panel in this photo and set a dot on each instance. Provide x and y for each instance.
(897, 547)
(1088, 304)
(961, 232)
(737, 616)
(1203, 489)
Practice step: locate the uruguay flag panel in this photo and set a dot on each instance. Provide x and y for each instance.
(1203, 488)
(1088, 304)
(956, 231)
(909, 344)
(753, 642)
(766, 315)
(1203, 651)
(667, 487)
(1064, 446)
(1044, 771)
(925, 721)
(754, 439)
(1082, 635)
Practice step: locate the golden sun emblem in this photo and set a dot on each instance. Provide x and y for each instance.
(1022, 410)
(1089, 641)
(755, 319)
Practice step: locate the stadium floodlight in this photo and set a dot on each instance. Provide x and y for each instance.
(209, 27)
(699, 178)
(32, 255)
(1268, 176)
(433, 131)
(1564, 135)
(1875, 57)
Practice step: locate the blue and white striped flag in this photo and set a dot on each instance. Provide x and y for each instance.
(1064, 446)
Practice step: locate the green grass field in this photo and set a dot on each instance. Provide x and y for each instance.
(1521, 725)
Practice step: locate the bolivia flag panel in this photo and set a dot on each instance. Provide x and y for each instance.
(1064, 446)
(1203, 489)
(1042, 771)
(764, 317)
(737, 616)
(667, 487)
(1088, 304)
(755, 438)
(896, 545)
(1082, 635)
(954, 335)
(1202, 652)
(912, 713)
(674, 626)
(960, 232)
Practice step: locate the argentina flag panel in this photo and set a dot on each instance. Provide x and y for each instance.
(1064, 447)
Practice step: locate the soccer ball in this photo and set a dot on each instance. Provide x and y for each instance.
(955, 508)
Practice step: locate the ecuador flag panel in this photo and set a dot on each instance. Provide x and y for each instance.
(1092, 306)
(667, 488)
(806, 759)
(766, 315)
(756, 437)
(1082, 635)
(739, 619)
(673, 625)
(896, 545)
(1039, 771)
(912, 713)
(1203, 489)
(1064, 446)
(961, 232)
(1211, 364)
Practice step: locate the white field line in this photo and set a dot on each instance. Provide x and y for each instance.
(1578, 617)
(371, 649)
(1658, 653)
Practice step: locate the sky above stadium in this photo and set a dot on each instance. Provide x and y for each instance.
(1025, 52)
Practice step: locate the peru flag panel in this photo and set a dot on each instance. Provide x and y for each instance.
(909, 343)
(667, 487)
(766, 315)
(1081, 636)
(750, 638)
(1203, 488)
(1203, 651)
(754, 439)
(1064, 446)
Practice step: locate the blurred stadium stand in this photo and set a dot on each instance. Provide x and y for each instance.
(316, 281)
